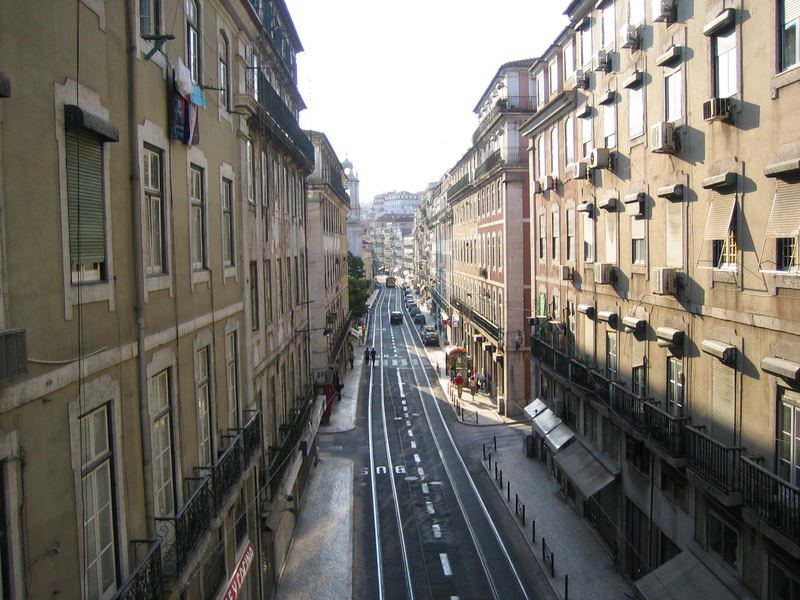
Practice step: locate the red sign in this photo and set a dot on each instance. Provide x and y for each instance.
(235, 584)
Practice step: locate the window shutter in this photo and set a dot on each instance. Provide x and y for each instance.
(86, 209)
(719, 217)
(723, 402)
(784, 219)
(791, 10)
(674, 234)
(588, 337)
(637, 228)
(611, 238)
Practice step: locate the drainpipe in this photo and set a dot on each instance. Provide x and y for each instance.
(138, 275)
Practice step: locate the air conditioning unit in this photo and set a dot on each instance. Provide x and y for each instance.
(664, 11)
(603, 273)
(717, 109)
(662, 138)
(601, 61)
(664, 281)
(578, 169)
(565, 273)
(600, 158)
(581, 79)
(630, 37)
(546, 183)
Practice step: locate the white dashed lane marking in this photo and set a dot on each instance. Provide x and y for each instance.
(445, 564)
(437, 531)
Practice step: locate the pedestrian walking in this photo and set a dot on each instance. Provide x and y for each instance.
(366, 356)
(482, 382)
(473, 384)
(352, 357)
(459, 381)
(373, 354)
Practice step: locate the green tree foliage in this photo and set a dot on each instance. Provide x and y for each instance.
(359, 293)
(355, 266)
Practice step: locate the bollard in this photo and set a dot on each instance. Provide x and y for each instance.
(566, 587)
(483, 446)
(523, 515)
(495, 470)
(533, 531)
(501, 478)
(494, 439)
(508, 492)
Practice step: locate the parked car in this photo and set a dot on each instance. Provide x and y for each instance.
(429, 329)
(396, 317)
(430, 338)
(411, 305)
(419, 319)
(414, 311)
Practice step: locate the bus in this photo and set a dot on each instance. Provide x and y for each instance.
(390, 281)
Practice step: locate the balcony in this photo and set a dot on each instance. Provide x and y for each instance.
(458, 186)
(714, 463)
(632, 408)
(273, 116)
(666, 432)
(487, 165)
(773, 500)
(515, 156)
(183, 534)
(331, 178)
(227, 471)
(512, 104)
(279, 456)
(145, 582)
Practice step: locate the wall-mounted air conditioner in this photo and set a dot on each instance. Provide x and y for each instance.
(600, 158)
(664, 281)
(603, 273)
(602, 61)
(565, 272)
(545, 183)
(581, 79)
(717, 109)
(664, 11)
(662, 138)
(578, 169)
(630, 37)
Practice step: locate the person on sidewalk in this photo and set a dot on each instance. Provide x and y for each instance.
(459, 381)
(366, 356)
(352, 357)
(482, 382)
(473, 385)
(372, 355)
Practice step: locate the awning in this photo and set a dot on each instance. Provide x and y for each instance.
(584, 471)
(545, 422)
(719, 218)
(534, 408)
(683, 577)
(784, 218)
(444, 315)
(558, 437)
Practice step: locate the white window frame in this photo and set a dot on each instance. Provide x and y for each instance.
(788, 23)
(555, 169)
(673, 95)
(676, 396)
(589, 245)
(610, 125)
(568, 58)
(224, 71)
(636, 112)
(204, 398)
(569, 140)
(228, 224)
(232, 377)
(586, 45)
(198, 222)
(608, 27)
(587, 136)
(194, 36)
(155, 210)
(788, 438)
(725, 65)
(165, 481)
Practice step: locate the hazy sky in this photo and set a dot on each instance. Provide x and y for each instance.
(393, 84)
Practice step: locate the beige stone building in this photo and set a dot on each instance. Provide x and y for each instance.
(158, 415)
(664, 264)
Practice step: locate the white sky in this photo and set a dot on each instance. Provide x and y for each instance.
(393, 84)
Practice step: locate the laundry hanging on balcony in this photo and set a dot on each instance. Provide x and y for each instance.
(186, 97)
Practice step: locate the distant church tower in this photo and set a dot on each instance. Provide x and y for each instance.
(355, 229)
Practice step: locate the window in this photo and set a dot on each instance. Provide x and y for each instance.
(268, 291)
(784, 583)
(193, 39)
(542, 236)
(675, 400)
(540, 96)
(725, 64)
(788, 450)
(723, 539)
(163, 474)
(228, 248)
(610, 125)
(251, 173)
(611, 356)
(724, 251)
(786, 253)
(608, 25)
(635, 112)
(673, 484)
(149, 17)
(100, 553)
(256, 70)
(154, 208)
(224, 72)
(232, 372)
(555, 232)
(790, 20)
(569, 140)
(589, 422)
(254, 305)
(568, 56)
(202, 381)
(86, 204)
(552, 75)
(571, 412)
(554, 170)
(540, 157)
(588, 238)
(570, 234)
(639, 381)
(637, 454)
(198, 224)
(673, 95)
(638, 246)
(586, 136)
(636, 12)
(586, 45)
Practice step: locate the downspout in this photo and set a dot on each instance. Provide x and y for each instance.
(138, 275)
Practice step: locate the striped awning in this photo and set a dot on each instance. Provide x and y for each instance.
(720, 214)
(784, 219)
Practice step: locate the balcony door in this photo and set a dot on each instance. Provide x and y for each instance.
(788, 451)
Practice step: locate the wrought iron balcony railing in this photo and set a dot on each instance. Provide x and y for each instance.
(251, 437)
(182, 534)
(271, 106)
(627, 405)
(774, 500)
(515, 156)
(145, 582)
(226, 472)
(487, 165)
(666, 431)
(515, 104)
(714, 462)
(458, 186)
(279, 456)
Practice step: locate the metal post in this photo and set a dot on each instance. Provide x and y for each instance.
(494, 439)
(523, 515)
(483, 446)
(566, 587)
(490, 461)
(501, 478)
(508, 492)
(533, 531)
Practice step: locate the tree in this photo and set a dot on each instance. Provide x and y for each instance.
(358, 290)
(355, 266)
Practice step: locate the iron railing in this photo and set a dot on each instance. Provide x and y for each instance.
(515, 155)
(182, 534)
(774, 500)
(226, 472)
(511, 104)
(458, 186)
(716, 463)
(487, 165)
(145, 582)
(279, 455)
(666, 431)
(329, 177)
(628, 405)
(251, 437)
(271, 105)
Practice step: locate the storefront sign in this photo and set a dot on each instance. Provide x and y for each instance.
(237, 579)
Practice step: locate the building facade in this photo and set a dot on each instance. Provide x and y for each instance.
(663, 256)
(158, 388)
